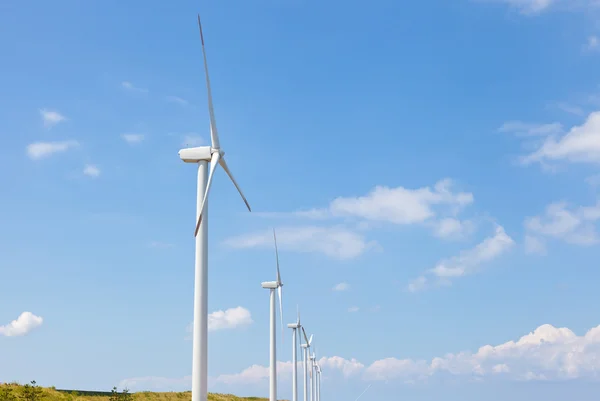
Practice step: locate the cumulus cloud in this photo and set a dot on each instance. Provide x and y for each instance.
(259, 373)
(467, 262)
(26, 322)
(435, 207)
(40, 150)
(581, 144)
(341, 287)
(547, 353)
(91, 170)
(133, 138)
(228, 319)
(574, 225)
(51, 117)
(335, 242)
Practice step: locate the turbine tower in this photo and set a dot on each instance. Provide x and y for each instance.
(306, 349)
(272, 286)
(295, 327)
(202, 156)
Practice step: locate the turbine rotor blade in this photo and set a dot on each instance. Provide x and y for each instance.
(214, 136)
(277, 258)
(305, 336)
(279, 292)
(213, 165)
(226, 168)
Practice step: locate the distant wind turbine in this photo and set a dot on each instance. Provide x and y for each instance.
(202, 156)
(272, 286)
(295, 327)
(306, 350)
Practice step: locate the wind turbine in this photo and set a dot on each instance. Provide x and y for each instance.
(295, 327)
(306, 348)
(318, 367)
(202, 156)
(272, 286)
(313, 380)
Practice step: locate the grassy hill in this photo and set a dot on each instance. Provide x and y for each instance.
(18, 392)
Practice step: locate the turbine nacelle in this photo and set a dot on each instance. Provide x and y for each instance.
(293, 326)
(197, 154)
(272, 285)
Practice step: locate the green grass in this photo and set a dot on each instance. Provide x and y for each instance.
(18, 392)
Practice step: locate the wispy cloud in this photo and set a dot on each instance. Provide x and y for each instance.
(130, 87)
(91, 170)
(574, 225)
(467, 262)
(592, 43)
(353, 309)
(133, 138)
(341, 287)
(581, 144)
(335, 242)
(177, 99)
(40, 150)
(51, 117)
(531, 129)
(24, 324)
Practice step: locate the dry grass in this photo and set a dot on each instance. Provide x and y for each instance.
(15, 392)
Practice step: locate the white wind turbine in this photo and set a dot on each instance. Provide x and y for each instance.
(295, 327)
(318, 367)
(306, 350)
(272, 286)
(202, 156)
(314, 378)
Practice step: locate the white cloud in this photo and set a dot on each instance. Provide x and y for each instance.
(229, 319)
(130, 87)
(91, 170)
(468, 261)
(353, 309)
(534, 245)
(592, 43)
(529, 7)
(335, 242)
(571, 109)
(574, 226)
(397, 205)
(528, 129)
(40, 150)
(26, 322)
(258, 373)
(546, 353)
(177, 99)
(133, 138)
(341, 287)
(50, 117)
(401, 205)
(580, 145)
(451, 227)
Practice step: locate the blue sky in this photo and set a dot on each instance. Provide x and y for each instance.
(431, 169)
